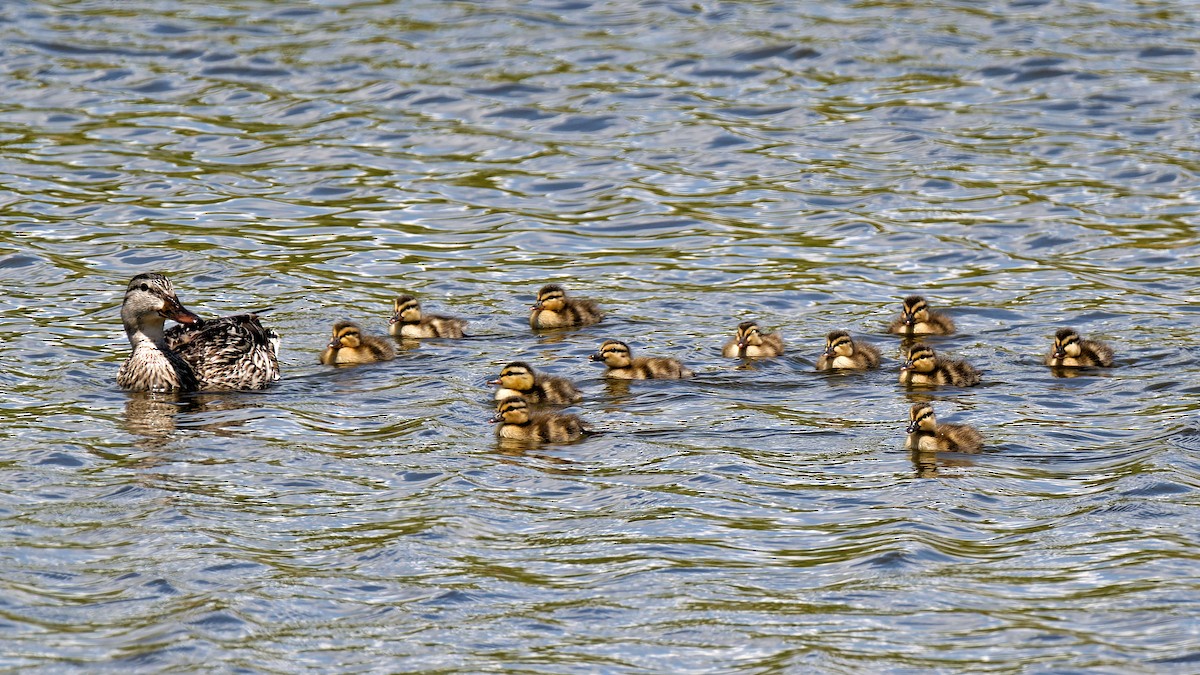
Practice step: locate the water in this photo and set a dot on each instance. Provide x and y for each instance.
(689, 165)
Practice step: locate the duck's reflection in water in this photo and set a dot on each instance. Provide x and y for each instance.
(155, 416)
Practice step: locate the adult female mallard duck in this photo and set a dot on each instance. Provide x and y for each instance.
(351, 345)
(926, 435)
(554, 309)
(1072, 351)
(408, 322)
(751, 342)
(842, 351)
(520, 379)
(917, 319)
(924, 367)
(230, 352)
(622, 365)
(518, 423)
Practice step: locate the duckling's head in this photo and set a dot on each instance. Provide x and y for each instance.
(552, 297)
(838, 343)
(517, 376)
(915, 310)
(921, 359)
(512, 410)
(405, 309)
(614, 354)
(748, 334)
(346, 334)
(1066, 343)
(150, 298)
(920, 418)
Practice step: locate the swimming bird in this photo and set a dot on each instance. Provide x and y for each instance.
(555, 310)
(750, 341)
(926, 435)
(408, 322)
(842, 351)
(917, 319)
(1072, 351)
(351, 345)
(621, 364)
(226, 353)
(517, 422)
(924, 367)
(520, 379)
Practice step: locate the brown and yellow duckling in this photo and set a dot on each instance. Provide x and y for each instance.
(926, 435)
(917, 319)
(1072, 351)
(408, 322)
(751, 342)
(842, 351)
(351, 345)
(622, 365)
(924, 367)
(520, 379)
(554, 309)
(517, 422)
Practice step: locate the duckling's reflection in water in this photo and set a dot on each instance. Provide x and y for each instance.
(928, 464)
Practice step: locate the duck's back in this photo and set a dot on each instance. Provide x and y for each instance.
(231, 352)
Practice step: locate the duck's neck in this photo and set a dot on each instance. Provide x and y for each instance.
(146, 329)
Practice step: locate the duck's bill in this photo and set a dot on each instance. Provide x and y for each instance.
(178, 313)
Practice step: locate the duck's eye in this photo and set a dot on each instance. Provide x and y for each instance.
(144, 286)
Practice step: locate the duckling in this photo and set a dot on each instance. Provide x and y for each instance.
(227, 353)
(841, 351)
(1072, 351)
(622, 365)
(555, 310)
(407, 321)
(925, 367)
(518, 423)
(351, 345)
(519, 379)
(752, 342)
(926, 435)
(917, 319)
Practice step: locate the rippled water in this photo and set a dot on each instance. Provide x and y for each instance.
(689, 165)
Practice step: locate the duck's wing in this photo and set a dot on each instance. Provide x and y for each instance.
(230, 352)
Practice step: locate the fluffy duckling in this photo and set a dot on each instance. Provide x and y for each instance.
(622, 365)
(520, 379)
(408, 322)
(841, 351)
(518, 423)
(917, 319)
(1072, 351)
(351, 345)
(925, 367)
(752, 342)
(555, 310)
(926, 435)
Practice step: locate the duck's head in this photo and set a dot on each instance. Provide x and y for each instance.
(150, 298)
(1066, 343)
(346, 334)
(921, 359)
(405, 309)
(838, 343)
(613, 353)
(915, 310)
(920, 418)
(512, 410)
(517, 376)
(552, 297)
(748, 335)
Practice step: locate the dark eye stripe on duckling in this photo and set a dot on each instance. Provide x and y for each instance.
(509, 406)
(513, 370)
(838, 342)
(411, 304)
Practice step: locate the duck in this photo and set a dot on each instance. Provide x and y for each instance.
(924, 367)
(917, 319)
(517, 422)
(1072, 351)
(554, 309)
(926, 435)
(751, 342)
(223, 354)
(351, 345)
(408, 322)
(520, 379)
(841, 351)
(621, 364)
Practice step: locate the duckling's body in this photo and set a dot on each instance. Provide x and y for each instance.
(621, 364)
(350, 345)
(924, 367)
(1072, 351)
(517, 422)
(227, 353)
(408, 322)
(843, 352)
(751, 342)
(555, 310)
(926, 435)
(520, 379)
(917, 319)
